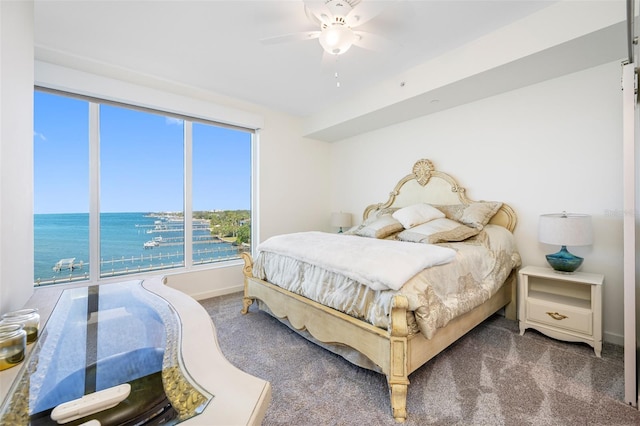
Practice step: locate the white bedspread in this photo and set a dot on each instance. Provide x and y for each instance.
(365, 260)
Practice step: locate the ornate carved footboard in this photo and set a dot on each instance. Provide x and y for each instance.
(396, 352)
(387, 349)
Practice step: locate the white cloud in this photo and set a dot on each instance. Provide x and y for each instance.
(39, 135)
(172, 120)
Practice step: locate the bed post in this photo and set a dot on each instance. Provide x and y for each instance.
(398, 358)
(247, 270)
(510, 311)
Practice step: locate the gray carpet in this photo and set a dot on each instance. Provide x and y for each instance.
(492, 376)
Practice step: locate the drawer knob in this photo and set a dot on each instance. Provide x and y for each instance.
(557, 316)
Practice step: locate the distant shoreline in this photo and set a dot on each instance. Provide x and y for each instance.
(131, 242)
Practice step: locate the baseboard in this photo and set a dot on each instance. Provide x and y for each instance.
(217, 292)
(613, 338)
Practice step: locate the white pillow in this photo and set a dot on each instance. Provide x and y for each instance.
(417, 214)
(437, 225)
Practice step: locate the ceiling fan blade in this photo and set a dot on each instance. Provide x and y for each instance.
(312, 16)
(364, 12)
(286, 38)
(371, 41)
(319, 11)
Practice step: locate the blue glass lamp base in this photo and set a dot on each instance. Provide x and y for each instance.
(563, 261)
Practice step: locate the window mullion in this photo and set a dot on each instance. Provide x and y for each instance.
(255, 190)
(188, 194)
(94, 192)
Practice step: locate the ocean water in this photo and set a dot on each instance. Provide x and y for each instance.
(122, 248)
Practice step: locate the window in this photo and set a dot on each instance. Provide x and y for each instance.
(136, 172)
(141, 191)
(221, 177)
(61, 188)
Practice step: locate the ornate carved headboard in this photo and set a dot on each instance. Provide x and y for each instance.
(425, 184)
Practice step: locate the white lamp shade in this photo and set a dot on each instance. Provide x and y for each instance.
(341, 220)
(337, 39)
(565, 229)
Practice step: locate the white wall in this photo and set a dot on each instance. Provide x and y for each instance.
(16, 154)
(545, 148)
(294, 183)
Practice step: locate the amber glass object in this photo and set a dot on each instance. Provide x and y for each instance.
(29, 318)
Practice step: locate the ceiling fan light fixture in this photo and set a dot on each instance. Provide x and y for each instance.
(337, 39)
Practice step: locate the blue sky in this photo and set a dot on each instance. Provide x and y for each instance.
(141, 160)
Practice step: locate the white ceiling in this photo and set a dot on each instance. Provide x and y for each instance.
(215, 45)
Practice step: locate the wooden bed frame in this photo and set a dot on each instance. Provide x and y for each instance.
(397, 352)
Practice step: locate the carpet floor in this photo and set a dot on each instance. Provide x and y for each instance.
(491, 376)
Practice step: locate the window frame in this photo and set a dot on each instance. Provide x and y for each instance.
(94, 187)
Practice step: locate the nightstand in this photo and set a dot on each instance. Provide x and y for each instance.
(563, 306)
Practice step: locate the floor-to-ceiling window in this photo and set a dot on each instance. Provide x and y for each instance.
(221, 165)
(164, 191)
(61, 188)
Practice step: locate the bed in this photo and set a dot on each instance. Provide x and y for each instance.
(394, 339)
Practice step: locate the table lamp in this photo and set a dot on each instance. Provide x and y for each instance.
(565, 229)
(340, 220)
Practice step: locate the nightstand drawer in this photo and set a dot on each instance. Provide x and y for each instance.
(561, 316)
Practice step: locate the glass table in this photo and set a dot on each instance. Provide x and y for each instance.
(99, 337)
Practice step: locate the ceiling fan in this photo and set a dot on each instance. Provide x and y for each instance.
(338, 20)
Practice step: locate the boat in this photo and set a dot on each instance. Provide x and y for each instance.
(151, 244)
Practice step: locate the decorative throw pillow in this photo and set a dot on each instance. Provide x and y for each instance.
(475, 215)
(417, 214)
(438, 231)
(451, 211)
(379, 227)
